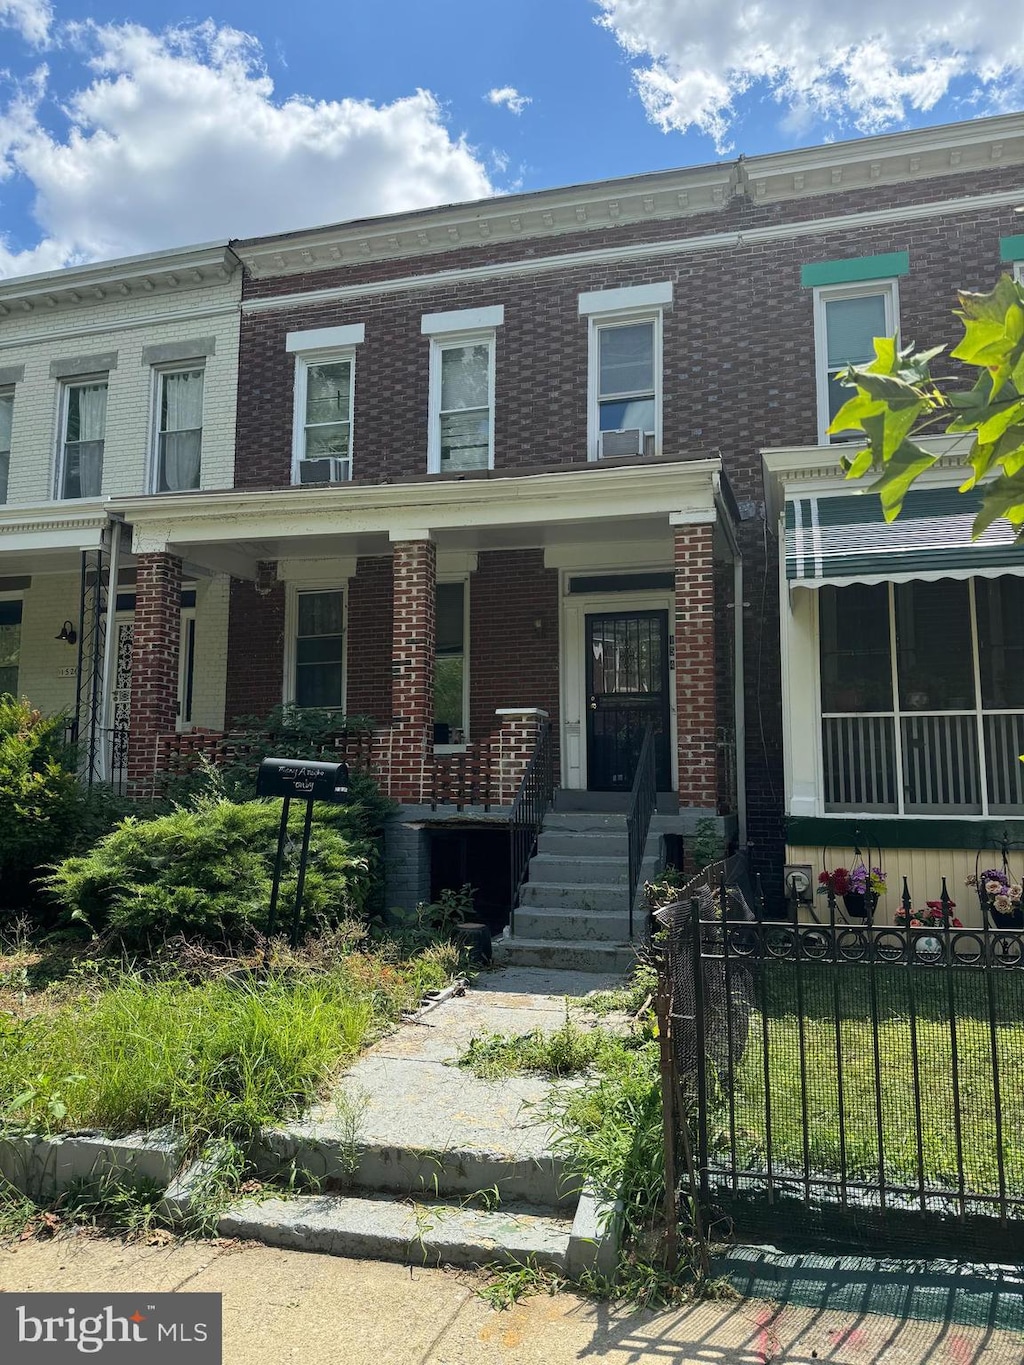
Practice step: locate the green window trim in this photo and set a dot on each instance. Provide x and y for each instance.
(1012, 248)
(895, 832)
(855, 269)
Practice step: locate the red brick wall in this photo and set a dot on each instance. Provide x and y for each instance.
(511, 662)
(255, 650)
(695, 667)
(370, 604)
(155, 650)
(412, 692)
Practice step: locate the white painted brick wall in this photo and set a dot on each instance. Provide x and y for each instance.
(211, 667)
(124, 325)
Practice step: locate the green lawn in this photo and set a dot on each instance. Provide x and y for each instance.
(823, 1044)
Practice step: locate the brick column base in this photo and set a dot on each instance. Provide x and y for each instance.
(156, 642)
(695, 666)
(517, 740)
(412, 655)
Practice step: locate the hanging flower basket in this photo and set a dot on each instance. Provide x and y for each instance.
(857, 887)
(1000, 895)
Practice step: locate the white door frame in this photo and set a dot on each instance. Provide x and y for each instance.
(576, 607)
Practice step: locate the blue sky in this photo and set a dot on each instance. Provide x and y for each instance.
(130, 130)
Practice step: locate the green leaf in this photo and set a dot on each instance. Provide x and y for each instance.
(900, 472)
(1003, 498)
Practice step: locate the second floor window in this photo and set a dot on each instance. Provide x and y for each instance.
(6, 423)
(180, 430)
(462, 405)
(847, 320)
(626, 388)
(324, 394)
(85, 423)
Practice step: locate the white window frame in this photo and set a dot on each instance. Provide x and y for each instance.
(188, 617)
(1018, 271)
(17, 596)
(464, 579)
(291, 626)
(160, 374)
(78, 381)
(606, 321)
(446, 341)
(825, 294)
(7, 391)
(322, 346)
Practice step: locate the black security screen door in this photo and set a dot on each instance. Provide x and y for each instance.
(627, 687)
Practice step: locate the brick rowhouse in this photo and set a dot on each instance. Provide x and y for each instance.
(695, 666)
(155, 654)
(412, 663)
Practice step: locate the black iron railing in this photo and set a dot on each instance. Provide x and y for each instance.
(532, 802)
(642, 800)
(853, 1082)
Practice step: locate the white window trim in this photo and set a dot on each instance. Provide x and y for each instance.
(612, 318)
(65, 386)
(188, 614)
(462, 320)
(291, 626)
(824, 294)
(17, 595)
(438, 344)
(462, 578)
(8, 391)
(633, 299)
(303, 359)
(160, 373)
(1018, 271)
(326, 338)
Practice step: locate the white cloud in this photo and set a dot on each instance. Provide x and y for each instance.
(177, 138)
(863, 67)
(32, 18)
(510, 97)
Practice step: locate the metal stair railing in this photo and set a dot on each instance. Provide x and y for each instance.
(532, 802)
(642, 800)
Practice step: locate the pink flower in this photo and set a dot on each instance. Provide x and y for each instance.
(1002, 904)
(993, 888)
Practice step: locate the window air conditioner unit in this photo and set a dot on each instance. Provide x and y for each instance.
(628, 442)
(329, 469)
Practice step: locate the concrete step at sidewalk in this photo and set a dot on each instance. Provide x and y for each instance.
(545, 922)
(578, 955)
(428, 1233)
(579, 869)
(411, 1171)
(576, 843)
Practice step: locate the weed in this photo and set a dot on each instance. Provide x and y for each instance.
(568, 1051)
(16, 1210)
(133, 1209)
(510, 1283)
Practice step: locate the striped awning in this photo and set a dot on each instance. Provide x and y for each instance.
(845, 539)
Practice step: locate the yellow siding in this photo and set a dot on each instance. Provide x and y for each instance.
(924, 869)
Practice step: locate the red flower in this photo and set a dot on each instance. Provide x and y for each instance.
(957, 924)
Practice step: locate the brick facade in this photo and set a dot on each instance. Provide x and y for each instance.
(368, 656)
(155, 656)
(255, 650)
(412, 686)
(696, 717)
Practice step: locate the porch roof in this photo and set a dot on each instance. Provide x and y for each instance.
(539, 508)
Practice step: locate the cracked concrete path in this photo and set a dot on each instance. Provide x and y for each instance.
(284, 1306)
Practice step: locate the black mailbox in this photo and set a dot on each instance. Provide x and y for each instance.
(302, 780)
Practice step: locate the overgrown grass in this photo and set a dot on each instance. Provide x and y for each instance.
(937, 994)
(568, 1051)
(129, 1049)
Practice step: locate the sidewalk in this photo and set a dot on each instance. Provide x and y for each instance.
(282, 1306)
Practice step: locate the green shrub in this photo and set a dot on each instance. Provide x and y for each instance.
(205, 871)
(40, 799)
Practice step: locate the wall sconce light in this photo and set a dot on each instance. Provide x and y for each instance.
(68, 634)
(266, 576)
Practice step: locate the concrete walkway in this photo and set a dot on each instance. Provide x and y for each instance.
(282, 1307)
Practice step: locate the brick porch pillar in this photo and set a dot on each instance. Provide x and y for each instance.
(412, 656)
(695, 665)
(156, 642)
(517, 740)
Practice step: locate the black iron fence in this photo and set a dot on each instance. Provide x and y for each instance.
(642, 800)
(858, 1083)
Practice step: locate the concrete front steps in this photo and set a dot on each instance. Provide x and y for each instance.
(573, 909)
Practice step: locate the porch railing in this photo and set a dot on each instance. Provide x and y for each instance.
(180, 754)
(531, 804)
(642, 800)
(463, 779)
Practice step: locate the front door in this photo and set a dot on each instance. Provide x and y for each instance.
(627, 689)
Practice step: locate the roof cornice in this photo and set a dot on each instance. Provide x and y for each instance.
(891, 159)
(155, 275)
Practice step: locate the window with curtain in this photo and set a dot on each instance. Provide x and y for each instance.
(848, 320)
(319, 649)
(934, 725)
(450, 664)
(626, 386)
(180, 433)
(85, 423)
(6, 423)
(10, 646)
(463, 405)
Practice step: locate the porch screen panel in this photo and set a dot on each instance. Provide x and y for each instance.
(1004, 743)
(318, 650)
(860, 763)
